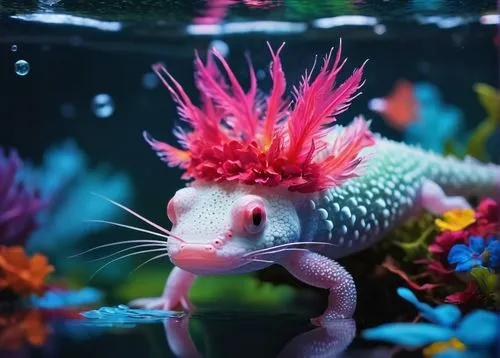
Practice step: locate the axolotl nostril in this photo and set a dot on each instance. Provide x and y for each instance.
(275, 183)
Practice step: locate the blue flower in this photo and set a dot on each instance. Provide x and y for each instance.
(476, 333)
(55, 299)
(478, 253)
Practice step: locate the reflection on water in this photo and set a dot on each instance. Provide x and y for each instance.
(328, 341)
(226, 335)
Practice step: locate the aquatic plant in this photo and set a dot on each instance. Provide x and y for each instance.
(458, 260)
(472, 335)
(23, 274)
(18, 206)
(489, 98)
(417, 110)
(66, 182)
(442, 120)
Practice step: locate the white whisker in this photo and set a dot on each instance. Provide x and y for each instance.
(122, 257)
(280, 250)
(118, 243)
(288, 245)
(137, 215)
(148, 261)
(259, 260)
(125, 250)
(128, 227)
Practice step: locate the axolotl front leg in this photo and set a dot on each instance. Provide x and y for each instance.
(320, 271)
(175, 293)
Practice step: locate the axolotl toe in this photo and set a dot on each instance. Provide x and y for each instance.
(274, 183)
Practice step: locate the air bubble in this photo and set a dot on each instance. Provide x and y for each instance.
(261, 74)
(68, 110)
(220, 46)
(103, 105)
(379, 29)
(22, 67)
(149, 80)
(13, 48)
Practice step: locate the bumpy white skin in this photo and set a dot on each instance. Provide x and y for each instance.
(397, 181)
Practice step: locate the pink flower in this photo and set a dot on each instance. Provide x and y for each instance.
(487, 218)
(470, 295)
(446, 240)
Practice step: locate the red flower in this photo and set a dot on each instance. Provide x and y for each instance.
(391, 265)
(487, 218)
(470, 295)
(436, 266)
(446, 240)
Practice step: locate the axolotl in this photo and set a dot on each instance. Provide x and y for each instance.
(275, 181)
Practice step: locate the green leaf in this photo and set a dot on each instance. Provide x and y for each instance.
(486, 280)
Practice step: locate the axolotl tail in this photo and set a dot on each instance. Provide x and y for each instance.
(467, 177)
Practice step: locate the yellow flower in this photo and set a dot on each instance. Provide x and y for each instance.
(439, 347)
(456, 220)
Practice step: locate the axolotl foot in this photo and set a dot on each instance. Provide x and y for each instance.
(320, 271)
(175, 293)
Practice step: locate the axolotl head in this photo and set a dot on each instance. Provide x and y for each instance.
(221, 223)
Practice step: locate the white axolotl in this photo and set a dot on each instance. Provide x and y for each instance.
(274, 182)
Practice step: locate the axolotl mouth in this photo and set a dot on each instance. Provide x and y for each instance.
(202, 258)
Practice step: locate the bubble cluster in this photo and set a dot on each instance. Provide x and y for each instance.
(22, 67)
(103, 105)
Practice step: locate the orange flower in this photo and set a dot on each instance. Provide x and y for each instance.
(22, 274)
(23, 327)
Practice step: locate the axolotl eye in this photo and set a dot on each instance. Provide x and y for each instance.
(249, 215)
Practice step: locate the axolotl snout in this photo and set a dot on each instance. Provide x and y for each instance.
(274, 183)
(221, 225)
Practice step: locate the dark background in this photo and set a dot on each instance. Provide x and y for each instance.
(82, 64)
(72, 65)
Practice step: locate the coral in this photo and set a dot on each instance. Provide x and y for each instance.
(18, 206)
(66, 182)
(21, 274)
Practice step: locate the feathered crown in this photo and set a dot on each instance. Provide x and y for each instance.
(237, 136)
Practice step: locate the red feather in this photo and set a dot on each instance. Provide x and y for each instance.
(229, 142)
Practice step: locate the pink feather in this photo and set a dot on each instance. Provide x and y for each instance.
(275, 104)
(317, 104)
(229, 142)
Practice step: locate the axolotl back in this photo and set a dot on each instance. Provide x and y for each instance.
(274, 183)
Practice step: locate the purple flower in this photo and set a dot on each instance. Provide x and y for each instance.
(18, 207)
(477, 253)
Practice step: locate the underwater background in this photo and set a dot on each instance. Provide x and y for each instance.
(76, 92)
